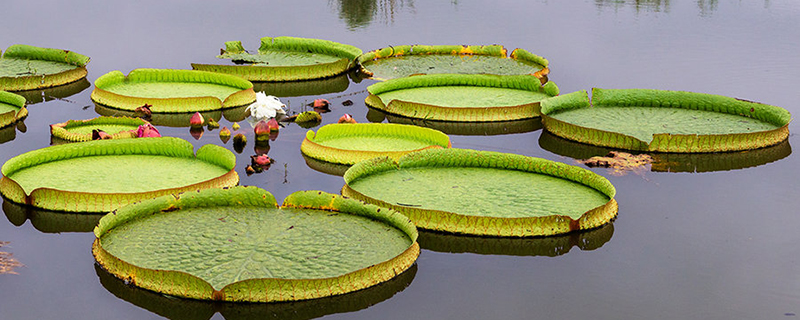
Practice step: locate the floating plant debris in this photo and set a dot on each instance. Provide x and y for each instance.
(238, 245)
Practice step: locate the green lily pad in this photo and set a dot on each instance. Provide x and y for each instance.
(172, 91)
(286, 59)
(25, 67)
(464, 98)
(12, 108)
(81, 130)
(530, 246)
(407, 60)
(485, 193)
(351, 143)
(237, 245)
(665, 121)
(175, 309)
(101, 175)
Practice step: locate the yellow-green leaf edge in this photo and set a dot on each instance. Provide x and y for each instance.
(59, 200)
(678, 143)
(459, 114)
(11, 117)
(311, 146)
(62, 130)
(244, 96)
(22, 51)
(454, 222)
(346, 53)
(181, 284)
(484, 50)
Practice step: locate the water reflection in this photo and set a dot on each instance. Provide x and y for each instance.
(176, 119)
(675, 162)
(462, 128)
(638, 5)
(539, 246)
(177, 308)
(358, 14)
(334, 169)
(8, 133)
(54, 93)
(304, 88)
(50, 221)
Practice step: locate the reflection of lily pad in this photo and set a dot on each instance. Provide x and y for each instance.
(664, 121)
(402, 61)
(326, 167)
(286, 59)
(468, 98)
(50, 221)
(485, 193)
(172, 91)
(172, 308)
(470, 128)
(351, 143)
(12, 108)
(7, 134)
(177, 119)
(530, 246)
(24, 67)
(58, 92)
(304, 88)
(675, 162)
(237, 245)
(81, 130)
(101, 175)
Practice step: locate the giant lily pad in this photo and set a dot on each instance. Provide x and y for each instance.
(286, 59)
(81, 130)
(172, 91)
(25, 67)
(238, 245)
(12, 108)
(664, 121)
(466, 98)
(351, 143)
(485, 193)
(406, 60)
(101, 175)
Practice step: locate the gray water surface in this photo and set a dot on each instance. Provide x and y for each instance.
(717, 244)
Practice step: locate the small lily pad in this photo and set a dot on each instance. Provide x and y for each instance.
(101, 175)
(81, 130)
(351, 143)
(406, 60)
(485, 193)
(463, 98)
(237, 244)
(172, 91)
(286, 59)
(12, 108)
(664, 121)
(25, 67)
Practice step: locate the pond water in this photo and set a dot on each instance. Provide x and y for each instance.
(705, 237)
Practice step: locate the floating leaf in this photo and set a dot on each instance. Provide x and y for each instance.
(25, 67)
(466, 98)
(403, 61)
(237, 245)
(81, 130)
(286, 59)
(485, 193)
(351, 143)
(99, 176)
(172, 91)
(664, 121)
(12, 108)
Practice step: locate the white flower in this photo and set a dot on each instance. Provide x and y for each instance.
(265, 107)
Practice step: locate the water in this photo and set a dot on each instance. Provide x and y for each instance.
(716, 244)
